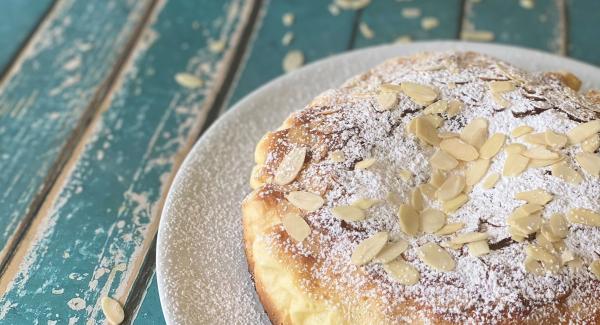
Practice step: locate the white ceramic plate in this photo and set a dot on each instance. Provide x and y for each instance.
(201, 267)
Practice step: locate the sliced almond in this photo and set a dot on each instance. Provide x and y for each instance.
(500, 100)
(391, 251)
(583, 131)
(348, 213)
(426, 131)
(416, 200)
(428, 190)
(443, 160)
(421, 94)
(534, 267)
(402, 272)
(490, 181)
(432, 220)
(475, 133)
(469, 237)
(516, 235)
(535, 138)
(528, 225)
(188, 80)
(521, 131)
(411, 127)
(438, 177)
(290, 166)
(476, 170)
(390, 88)
(540, 153)
(547, 234)
(365, 203)
(538, 163)
(448, 244)
(537, 196)
(459, 149)
(337, 156)
(492, 146)
(589, 162)
(112, 310)
(366, 163)
(436, 257)
(591, 144)
(450, 228)
(567, 173)
(555, 140)
(595, 268)
(515, 165)
(406, 175)
(386, 100)
(295, 226)
(570, 80)
(454, 107)
(501, 86)
(584, 217)
(369, 248)
(305, 200)
(451, 188)
(539, 254)
(409, 219)
(446, 135)
(435, 120)
(438, 107)
(455, 204)
(567, 256)
(478, 248)
(558, 225)
(515, 148)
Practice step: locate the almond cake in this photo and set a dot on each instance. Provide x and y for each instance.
(438, 188)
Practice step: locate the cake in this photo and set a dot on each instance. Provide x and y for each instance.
(438, 188)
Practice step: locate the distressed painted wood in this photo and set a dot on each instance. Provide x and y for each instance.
(18, 20)
(390, 20)
(540, 27)
(98, 222)
(49, 93)
(150, 312)
(584, 24)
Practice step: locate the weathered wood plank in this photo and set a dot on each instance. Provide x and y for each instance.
(18, 20)
(390, 20)
(92, 233)
(316, 32)
(150, 312)
(513, 22)
(49, 94)
(584, 24)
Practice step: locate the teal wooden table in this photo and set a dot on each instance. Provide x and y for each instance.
(101, 100)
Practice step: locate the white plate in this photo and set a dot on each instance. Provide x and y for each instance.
(201, 267)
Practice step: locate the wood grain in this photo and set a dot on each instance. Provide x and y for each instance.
(97, 224)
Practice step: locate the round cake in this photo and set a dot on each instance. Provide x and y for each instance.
(438, 188)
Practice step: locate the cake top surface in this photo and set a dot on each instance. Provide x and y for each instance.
(367, 142)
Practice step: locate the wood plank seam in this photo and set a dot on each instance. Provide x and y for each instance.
(72, 141)
(355, 26)
(563, 27)
(462, 18)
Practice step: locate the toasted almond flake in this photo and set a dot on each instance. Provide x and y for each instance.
(352, 4)
(451, 188)
(416, 200)
(421, 94)
(478, 248)
(583, 131)
(527, 4)
(476, 170)
(521, 131)
(469, 237)
(537, 196)
(438, 178)
(366, 163)
(569, 79)
(547, 234)
(450, 228)
(428, 23)
(558, 225)
(595, 268)
(475, 133)
(365, 30)
(426, 131)
(402, 272)
(112, 310)
(515, 148)
(432, 220)
(435, 120)
(293, 60)
(447, 244)
(535, 138)
(492, 146)
(454, 107)
(446, 135)
(369, 248)
(589, 162)
(591, 144)
(455, 204)
(428, 190)
(348, 213)
(501, 86)
(515, 165)
(411, 12)
(409, 219)
(537, 163)
(500, 100)
(406, 175)
(337, 156)
(365, 203)
(391, 251)
(567, 173)
(567, 256)
(491, 181)
(528, 225)
(305, 200)
(555, 140)
(287, 19)
(576, 264)
(477, 35)
(188, 80)
(516, 235)
(436, 257)
(390, 87)
(540, 153)
(534, 267)
(295, 226)
(443, 160)
(386, 100)
(287, 38)
(539, 254)
(584, 217)
(438, 107)
(459, 149)
(290, 166)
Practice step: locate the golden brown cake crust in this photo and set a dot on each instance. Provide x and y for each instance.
(494, 288)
